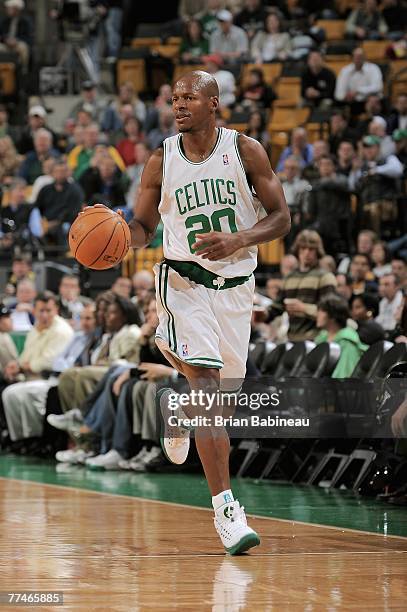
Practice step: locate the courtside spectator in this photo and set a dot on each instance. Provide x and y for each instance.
(122, 286)
(70, 302)
(165, 129)
(104, 183)
(358, 80)
(339, 130)
(22, 305)
(229, 41)
(79, 159)
(20, 270)
(37, 119)
(344, 286)
(332, 317)
(208, 17)
(127, 96)
(31, 168)
(224, 78)
(59, 203)
(328, 207)
(381, 259)
(23, 220)
(251, 18)
(376, 183)
(398, 116)
(392, 299)
(194, 44)
(399, 268)
(366, 22)
(377, 127)
(256, 128)
(127, 145)
(94, 103)
(346, 155)
(44, 342)
(299, 148)
(271, 43)
(304, 288)
(317, 82)
(8, 351)
(256, 93)
(9, 159)
(361, 273)
(16, 32)
(364, 309)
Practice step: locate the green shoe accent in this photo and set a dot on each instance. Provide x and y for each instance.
(95, 468)
(248, 541)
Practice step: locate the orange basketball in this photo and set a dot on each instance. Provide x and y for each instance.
(99, 238)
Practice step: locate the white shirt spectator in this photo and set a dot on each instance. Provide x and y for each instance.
(387, 311)
(227, 86)
(365, 81)
(235, 41)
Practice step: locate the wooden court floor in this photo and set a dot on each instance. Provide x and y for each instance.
(112, 552)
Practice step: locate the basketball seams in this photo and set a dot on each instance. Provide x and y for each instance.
(87, 234)
(106, 246)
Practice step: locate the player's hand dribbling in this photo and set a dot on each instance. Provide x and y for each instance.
(217, 245)
(118, 211)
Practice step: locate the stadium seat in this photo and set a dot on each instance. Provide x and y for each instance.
(397, 353)
(292, 359)
(375, 50)
(7, 78)
(271, 72)
(288, 91)
(369, 364)
(132, 70)
(272, 359)
(335, 64)
(286, 119)
(259, 351)
(321, 361)
(334, 28)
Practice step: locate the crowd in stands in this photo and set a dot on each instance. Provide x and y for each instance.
(89, 367)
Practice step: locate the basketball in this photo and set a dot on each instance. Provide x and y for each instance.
(99, 238)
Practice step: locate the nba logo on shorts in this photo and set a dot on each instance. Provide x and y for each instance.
(184, 348)
(225, 160)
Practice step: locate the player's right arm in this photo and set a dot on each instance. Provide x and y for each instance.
(146, 215)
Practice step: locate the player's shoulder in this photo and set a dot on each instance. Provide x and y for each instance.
(248, 144)
(251, 152)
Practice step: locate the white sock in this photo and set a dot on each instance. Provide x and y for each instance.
(222, 498)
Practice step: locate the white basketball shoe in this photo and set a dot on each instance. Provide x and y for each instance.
(174, 438)
(231, 524)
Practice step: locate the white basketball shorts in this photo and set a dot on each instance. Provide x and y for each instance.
(202, 326)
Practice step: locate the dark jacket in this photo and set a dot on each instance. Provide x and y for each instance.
(24, 29)
(63, 205)
(96, 190)
(376, 187)
(324, 82)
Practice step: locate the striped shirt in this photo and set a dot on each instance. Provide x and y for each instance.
(308, 287)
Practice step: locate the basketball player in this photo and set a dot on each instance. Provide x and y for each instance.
(206, 184)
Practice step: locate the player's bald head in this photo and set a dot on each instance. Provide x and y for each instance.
(199, 81)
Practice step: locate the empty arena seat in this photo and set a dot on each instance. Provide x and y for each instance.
(272, 359)
(293, 358)
(258, 351)
(369, 364)
(321, 361)
(397, 353)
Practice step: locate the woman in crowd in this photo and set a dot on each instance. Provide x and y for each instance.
(271, 43)
(364, 309)
(194, 44)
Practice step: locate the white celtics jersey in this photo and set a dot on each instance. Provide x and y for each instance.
(212, 195)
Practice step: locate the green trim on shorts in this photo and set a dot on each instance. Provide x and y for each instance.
(169, 311)
(204, 277)
(161, 288)
(203, 359)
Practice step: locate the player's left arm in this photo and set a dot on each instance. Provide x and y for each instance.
(277, 223)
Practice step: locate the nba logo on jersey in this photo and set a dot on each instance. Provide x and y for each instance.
(184, 348)
(225, 160)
